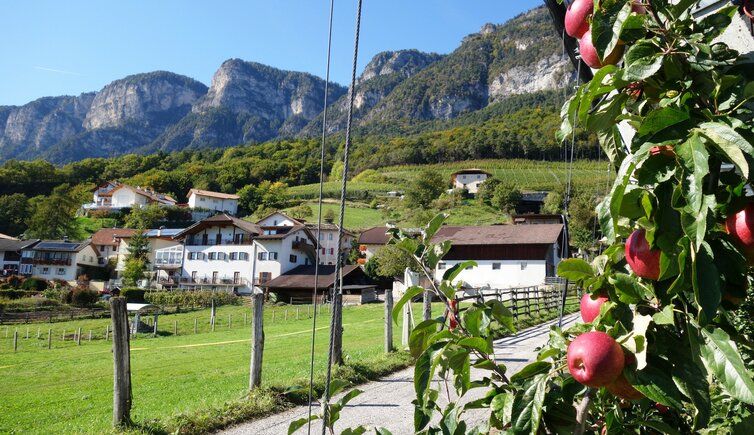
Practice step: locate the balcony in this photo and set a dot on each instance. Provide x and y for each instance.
(214, 242)
(187, 280)
(52, 261)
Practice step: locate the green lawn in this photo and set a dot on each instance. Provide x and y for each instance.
(357, 217)
(88, 226)
(68, 389)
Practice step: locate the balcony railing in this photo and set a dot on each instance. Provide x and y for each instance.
(214, 242)
(236, 282)
(52, 261)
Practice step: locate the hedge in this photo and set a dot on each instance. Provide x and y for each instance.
(187, 298)
(35, 284)
(133, 294)
(17, 293)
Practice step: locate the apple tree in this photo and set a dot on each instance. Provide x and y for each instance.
(663, 351)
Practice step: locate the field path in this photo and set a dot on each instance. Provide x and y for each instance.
(387, 402)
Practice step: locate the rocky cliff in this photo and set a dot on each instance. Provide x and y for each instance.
(251, 102)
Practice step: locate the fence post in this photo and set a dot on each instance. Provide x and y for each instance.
(39, 333)
(427, 306)
(244, 318)
(212, 315)
(194, 325)
(388, 320)
(257, 339)
(230, 321)
(107, 333)
(175, 327)
(514, 303)
(49, 338)
(286, 314)
(407, 320)
(154, 330)
(121, 363)
(296, 313)
(78, 337)
(27, 332)
(90, 335)
(62, 338)
(15, 341)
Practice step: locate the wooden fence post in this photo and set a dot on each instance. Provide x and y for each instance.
(427, 306)
(62, 338)
(194, 325)
(27, 332)
(296, 313)
(78, 337)
(244, 318)
(175, 327)
(121, 363)
(39, 333)
(107, 333)
(90, 335)
(230, 321)
(49, 338)
(388, 320)
(257, 339)
(154, 330)
(15, 341)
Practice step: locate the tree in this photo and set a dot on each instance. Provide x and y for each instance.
(301, 211)
(391, 261)
(329, 216)
(53, 217)
(553, 203)
(267, 195)
(486, 190)
(137, 258)
(336, 173)
(14, 212)
(506, 197)
(145, 217)
(425, 188)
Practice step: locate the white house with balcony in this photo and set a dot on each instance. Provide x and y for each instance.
(114, 195)
(59, 259)
(328, 235)
(165, 256)
(223, 252)
(469, 179)
(223, 202)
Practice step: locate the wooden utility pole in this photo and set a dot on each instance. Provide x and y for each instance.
(257, 339)
(121, 363)
(388, 320)
(427, 306)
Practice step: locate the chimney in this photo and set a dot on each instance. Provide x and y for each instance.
(65, 238)
(159, 231)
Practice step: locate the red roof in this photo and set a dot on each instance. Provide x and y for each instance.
(106, 236)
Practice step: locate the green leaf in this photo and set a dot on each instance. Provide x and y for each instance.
(607, 24)
(692, 381)
(706, 281)
(502, 407)
(594, 89)
(424, 370)
(337, 385)
(723, 360)
(612, 145)
(732, 144)
(359, 430)
(502, 314)
(661, 426)
(694, 159)
(627, 288)
(664, 317)
(454, 271)
(527, 405)
(433, 226)
(411, 292)
(642, 61)
(382, 431)
(714, 25)
(420, 336)
(606, 114)
(656, 384)
(533, 369)
(658, 120)
(298, 424)
(476, 343)
(575, 269)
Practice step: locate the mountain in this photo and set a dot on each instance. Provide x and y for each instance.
(398, 92)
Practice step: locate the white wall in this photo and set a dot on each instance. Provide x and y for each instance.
(125, 197)
(470, 182)
(276, 220)
(512, 273)
(213, 203)
(329, 240)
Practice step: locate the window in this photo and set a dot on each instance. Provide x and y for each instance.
(213, 255)
(221, 256)
(243, 256)
(202, 199)
(324, 251)
(329, 236)
(441, 266)
(196, 255)
(264, 277)
(523, 265)
(495, 266)
(293, 259)
(45, 271)
(102, 248)
(272, 256)
(262, 256)
(332, 251)
(321, 236)
(61, 271)
(234, 255)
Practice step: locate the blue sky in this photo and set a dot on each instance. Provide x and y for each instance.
(54, 47)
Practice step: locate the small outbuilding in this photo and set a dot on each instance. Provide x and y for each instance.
(296, 285)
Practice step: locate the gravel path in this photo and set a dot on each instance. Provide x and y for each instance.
(387, 401)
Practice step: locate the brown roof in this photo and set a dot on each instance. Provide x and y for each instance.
(7, 237)
(213, 194)
(374, 236)
(278, 232)
(303, 277)
(222, 219)
(500, 234)
(471, 171)
(154, 196)
(301, 221)
(106, 236)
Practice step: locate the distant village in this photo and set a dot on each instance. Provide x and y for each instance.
(277, 253)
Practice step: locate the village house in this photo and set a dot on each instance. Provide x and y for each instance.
(59, 259)
(371, 240)
(297, 285)
(226, 253)
(506, 255)
(328, 235)
(114, 195)
(165, 256)
(106, 241)
(205, 199)
(10, 254)
(469, 179)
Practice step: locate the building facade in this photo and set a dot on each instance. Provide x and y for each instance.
(59, 259)
(222, 202)
(469, 179)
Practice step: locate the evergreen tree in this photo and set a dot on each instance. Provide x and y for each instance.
(53, 217)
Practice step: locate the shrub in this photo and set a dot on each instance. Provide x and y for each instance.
(15, 281)
(82, 297)
(13, 293)
(58, 283)
(58, 294)
(37, 284)
(27, 304)
(133, 294)
(201, 298)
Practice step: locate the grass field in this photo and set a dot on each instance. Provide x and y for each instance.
(68, 389)
(357, 217)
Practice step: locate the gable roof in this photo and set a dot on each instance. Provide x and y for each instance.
(303, 277)
(222, 219)
(374, 236)
(107, 236)
(154, 196)
(298, 221)
(7, 237)
(471, 171)
(543, 234)
(15, 245)
(219, 195)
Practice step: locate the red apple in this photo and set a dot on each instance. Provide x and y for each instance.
(576, 17)
(595, 359)
(590, 308)
(661, 408)
(645, 262)
(666, 150)
(589, 53)
(452, 315)
(741, 227)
